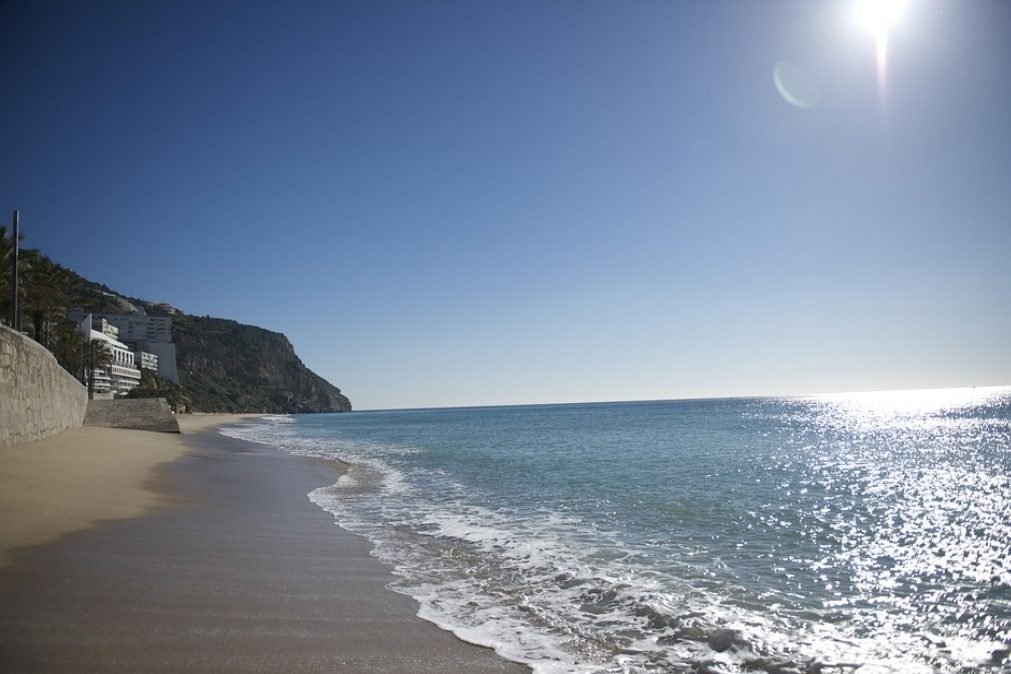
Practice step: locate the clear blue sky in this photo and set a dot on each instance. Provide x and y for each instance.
(463, 203)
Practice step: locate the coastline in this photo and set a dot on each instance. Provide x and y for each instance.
(211, 558)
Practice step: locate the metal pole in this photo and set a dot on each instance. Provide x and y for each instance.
(15, 309)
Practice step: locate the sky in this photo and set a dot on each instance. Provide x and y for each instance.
(470, 203)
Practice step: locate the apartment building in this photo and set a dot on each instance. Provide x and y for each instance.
(120, 375)
(148, 334)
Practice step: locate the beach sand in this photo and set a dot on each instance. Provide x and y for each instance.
(137, 551)
(77, 478)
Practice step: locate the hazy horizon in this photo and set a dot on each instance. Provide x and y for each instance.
(462, 204)
(798, 395)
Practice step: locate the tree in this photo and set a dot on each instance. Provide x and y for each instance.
(47, 292)
(153, 386)
(96, 357)
(70, 346)
(6, 260)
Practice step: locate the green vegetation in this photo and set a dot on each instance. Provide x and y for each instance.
(153, 386)
(45, 291)
(224, 366)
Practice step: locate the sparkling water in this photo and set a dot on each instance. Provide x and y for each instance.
(867, 532)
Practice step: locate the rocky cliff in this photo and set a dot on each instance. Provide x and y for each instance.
(225, 366)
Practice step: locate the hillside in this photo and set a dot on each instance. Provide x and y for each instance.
(225, 366)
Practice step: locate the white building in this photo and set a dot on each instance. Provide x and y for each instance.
(120, 375)
(165, 352)
(146, 361)
(150, 334)
(142, 328)
(108, 329)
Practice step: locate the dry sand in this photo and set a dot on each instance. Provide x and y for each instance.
(195, 553)
(72, 480)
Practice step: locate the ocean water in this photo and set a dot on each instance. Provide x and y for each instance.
(860, 532)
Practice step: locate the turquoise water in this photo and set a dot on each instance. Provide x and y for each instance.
(867, 532)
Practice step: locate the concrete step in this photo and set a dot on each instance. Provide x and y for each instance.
(145, 414)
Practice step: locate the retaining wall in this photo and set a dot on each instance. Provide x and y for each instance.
(38, 398)
(143, 414)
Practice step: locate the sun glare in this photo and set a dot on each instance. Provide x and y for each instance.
(879, 15)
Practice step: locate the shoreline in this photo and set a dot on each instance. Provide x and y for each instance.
(220, 564)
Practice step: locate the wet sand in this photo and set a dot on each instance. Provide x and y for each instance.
(217, 562)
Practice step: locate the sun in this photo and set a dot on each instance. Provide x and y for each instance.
(879, 15)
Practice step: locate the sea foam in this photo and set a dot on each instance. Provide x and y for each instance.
(807, 537)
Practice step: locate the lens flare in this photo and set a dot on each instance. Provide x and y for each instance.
(795, 85)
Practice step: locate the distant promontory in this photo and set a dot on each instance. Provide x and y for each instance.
(227, 366)
(197, 363)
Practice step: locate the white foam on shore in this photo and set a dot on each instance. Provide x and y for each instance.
(362, 470)
(533, 596)
(561, 595)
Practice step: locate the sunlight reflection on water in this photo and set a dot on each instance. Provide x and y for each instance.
(868, 531)
(927, 538)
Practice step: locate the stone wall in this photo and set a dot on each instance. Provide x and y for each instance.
(143, 414)
(38, 398)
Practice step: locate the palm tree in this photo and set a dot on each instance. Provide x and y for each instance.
(47, 293)
(98, 357)
(6, 260)
(70, 346)
(79, 355)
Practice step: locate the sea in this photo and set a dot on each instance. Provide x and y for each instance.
(865, 532)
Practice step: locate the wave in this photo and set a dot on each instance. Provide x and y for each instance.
(563, 594)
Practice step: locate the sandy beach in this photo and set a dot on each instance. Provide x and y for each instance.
(137, 551)
(77, 478)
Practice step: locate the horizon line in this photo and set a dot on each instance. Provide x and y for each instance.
(685, 399)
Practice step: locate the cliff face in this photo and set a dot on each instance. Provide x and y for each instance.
(225, 366)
